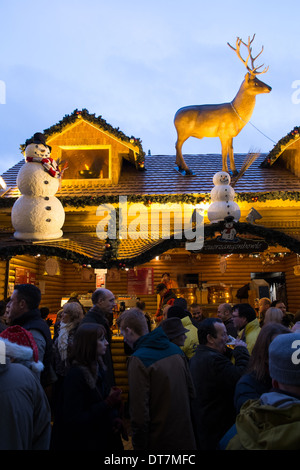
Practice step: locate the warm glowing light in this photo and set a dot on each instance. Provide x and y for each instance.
(2, 183)
(86, 167)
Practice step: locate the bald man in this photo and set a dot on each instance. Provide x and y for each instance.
(225, 314)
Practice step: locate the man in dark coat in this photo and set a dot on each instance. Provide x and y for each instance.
(23, 311)
(215, 377)
(102, 313)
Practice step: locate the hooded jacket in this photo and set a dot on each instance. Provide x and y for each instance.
(250, 333)
(191, 342)
(160, 389)
(270, 423)
(25, 422)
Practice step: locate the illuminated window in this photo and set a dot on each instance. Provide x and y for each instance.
(86, 162)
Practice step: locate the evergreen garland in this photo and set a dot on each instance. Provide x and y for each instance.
(279, 148)
(110, 258)
(148, 199)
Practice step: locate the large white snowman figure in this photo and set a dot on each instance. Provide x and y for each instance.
(38, 214)
(222, 197)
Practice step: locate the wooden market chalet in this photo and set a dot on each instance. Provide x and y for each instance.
(104, 165)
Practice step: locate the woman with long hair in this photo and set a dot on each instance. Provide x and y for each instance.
(89, 418)
(257, 379)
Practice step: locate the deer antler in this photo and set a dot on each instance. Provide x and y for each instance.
(253, 70)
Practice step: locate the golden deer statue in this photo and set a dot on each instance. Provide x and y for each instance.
(224, 120)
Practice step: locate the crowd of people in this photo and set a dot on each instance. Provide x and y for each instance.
(227, 382)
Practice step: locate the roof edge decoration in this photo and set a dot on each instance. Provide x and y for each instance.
(110, 254)
(281, 146)
(98, 121)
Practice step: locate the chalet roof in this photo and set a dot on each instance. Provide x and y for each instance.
(161, 178)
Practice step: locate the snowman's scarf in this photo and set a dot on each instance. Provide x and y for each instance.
(48, 163)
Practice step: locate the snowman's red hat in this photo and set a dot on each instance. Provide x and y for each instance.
(38, 138)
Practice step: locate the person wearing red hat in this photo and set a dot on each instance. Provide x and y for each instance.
(25, 422)
(21, 347)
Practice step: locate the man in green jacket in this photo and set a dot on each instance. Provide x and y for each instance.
(245, 321)
(273, 421)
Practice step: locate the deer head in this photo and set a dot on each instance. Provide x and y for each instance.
(256, 86)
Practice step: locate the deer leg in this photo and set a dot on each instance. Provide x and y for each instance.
(224, 145)
(231, 159)
(179, 158)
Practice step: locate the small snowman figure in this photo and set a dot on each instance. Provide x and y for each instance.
(222, 197)
(229, 232)
(38, 214)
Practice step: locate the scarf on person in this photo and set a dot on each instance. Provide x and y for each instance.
(62, 340)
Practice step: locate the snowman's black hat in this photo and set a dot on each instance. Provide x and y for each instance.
(38, 138)
(229, 218)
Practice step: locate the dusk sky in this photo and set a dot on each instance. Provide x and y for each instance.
(136, 62)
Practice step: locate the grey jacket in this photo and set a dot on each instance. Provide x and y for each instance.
(24, 410)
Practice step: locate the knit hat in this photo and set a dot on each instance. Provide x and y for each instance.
(284, 359)
(178, 312)
(180, 302)
(173, 327)
(21, 346)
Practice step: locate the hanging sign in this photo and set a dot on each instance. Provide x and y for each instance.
(238, 245)
(140, 281)
(228, 242)
(24, 276)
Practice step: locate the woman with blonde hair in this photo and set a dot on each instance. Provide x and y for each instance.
(273, 315)
(70, 318)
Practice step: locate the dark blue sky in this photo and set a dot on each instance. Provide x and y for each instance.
(136, 62)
